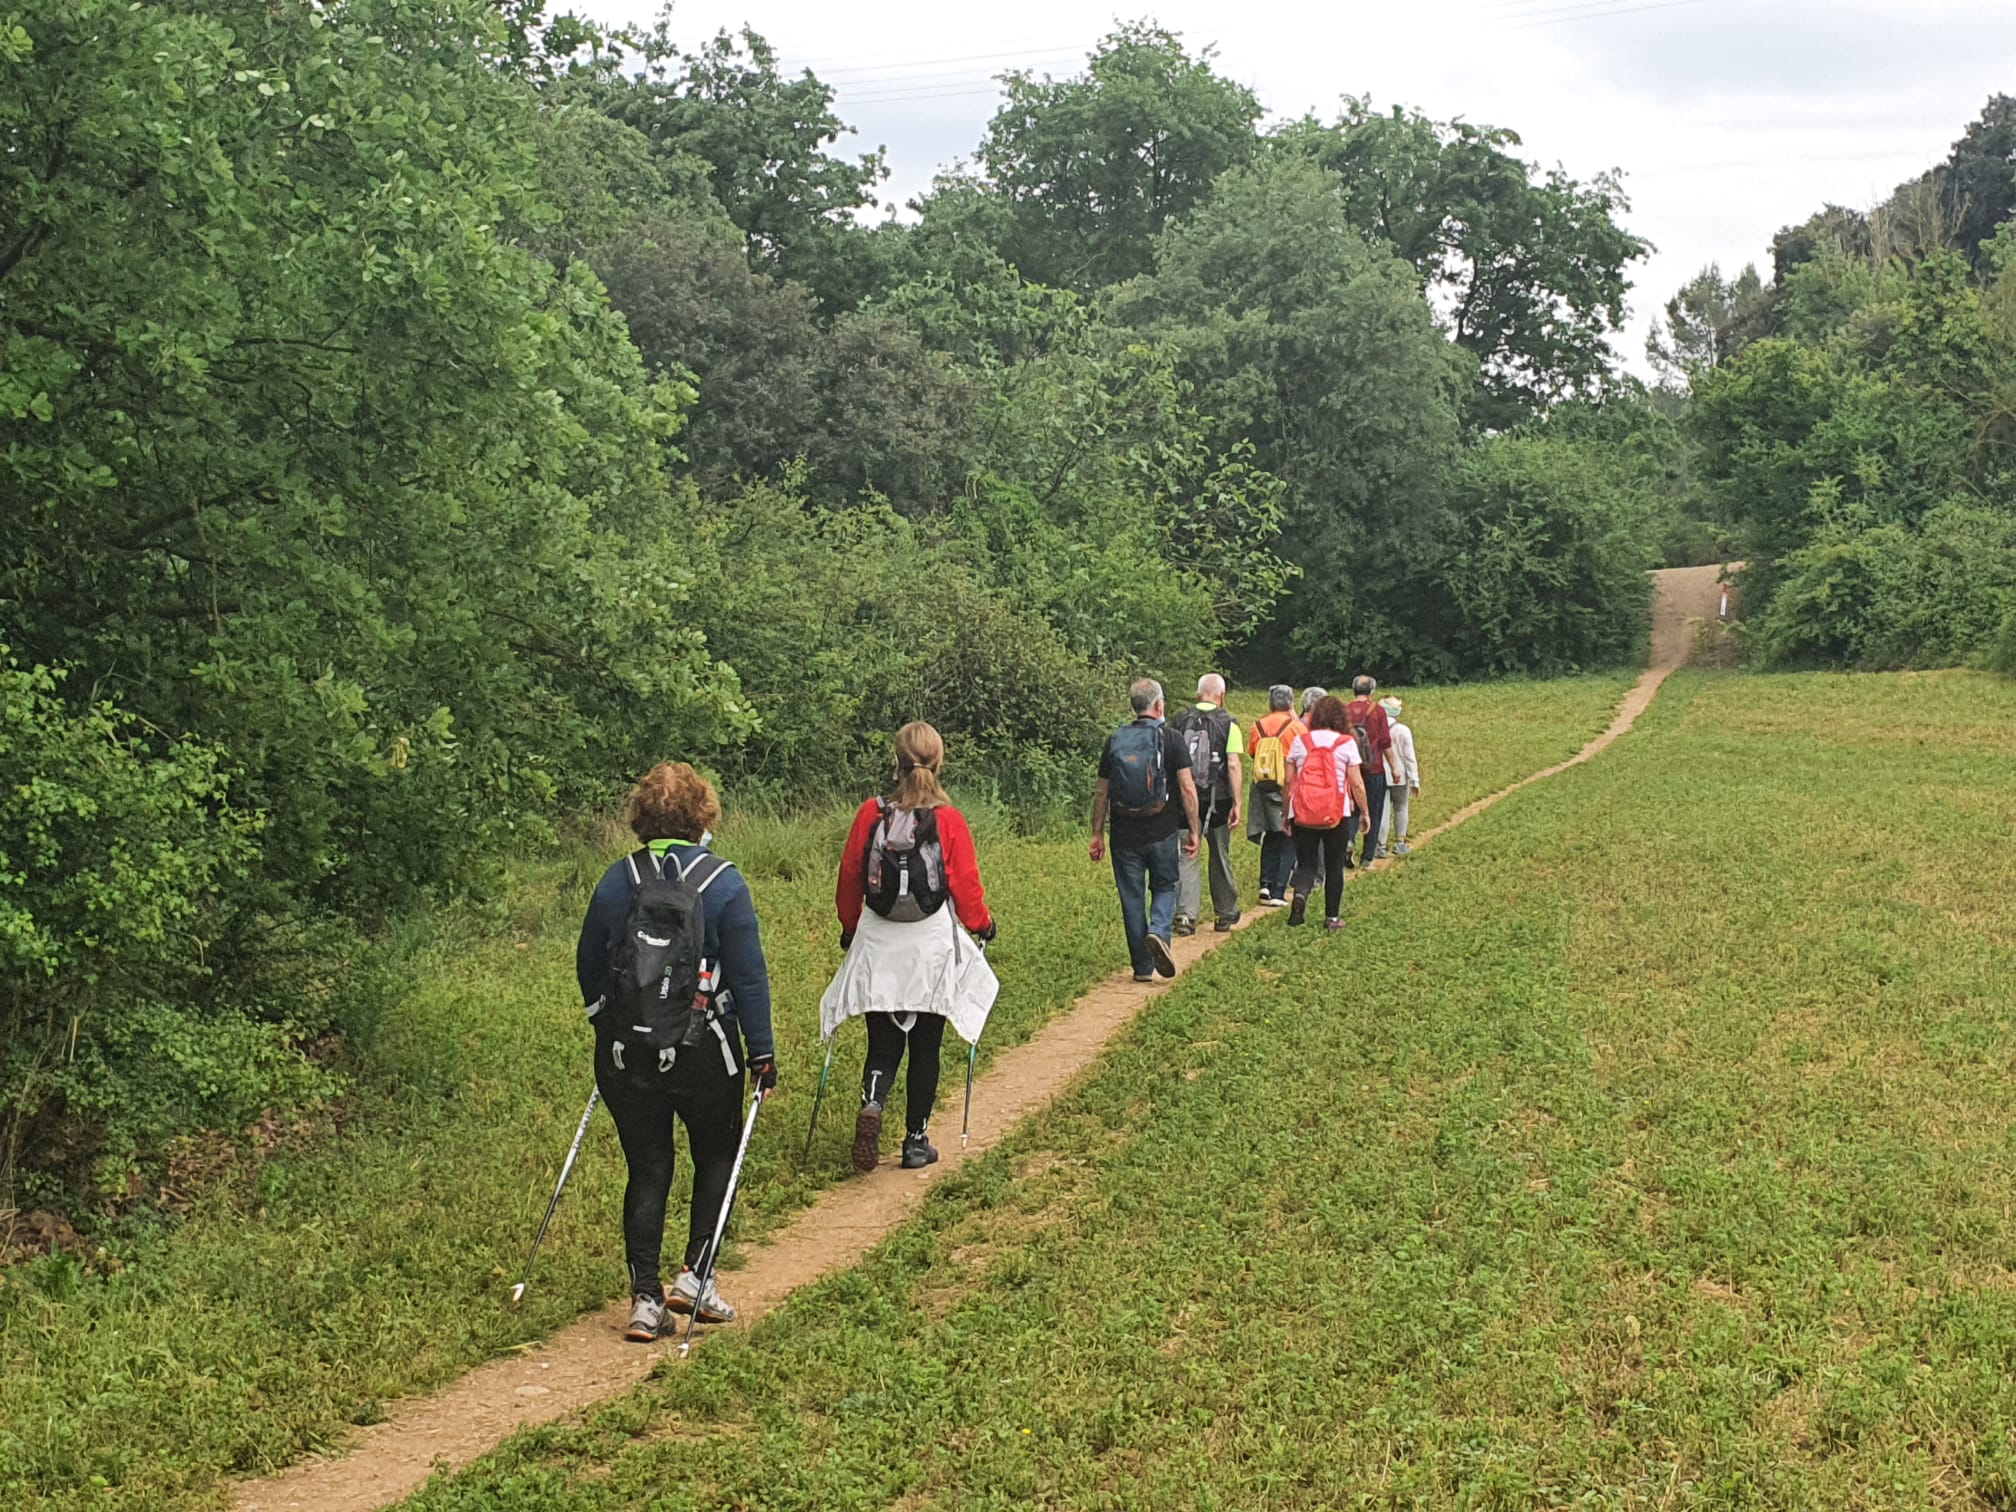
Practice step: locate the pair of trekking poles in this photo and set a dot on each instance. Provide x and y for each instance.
(709, 1257)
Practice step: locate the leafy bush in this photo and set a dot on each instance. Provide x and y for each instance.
(119, 858)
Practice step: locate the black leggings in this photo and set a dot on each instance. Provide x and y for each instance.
(885, 1050)
(1330, 845)
(644, 1102)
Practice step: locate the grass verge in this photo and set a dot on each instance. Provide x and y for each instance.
(374, 1263)
(1644, 1144)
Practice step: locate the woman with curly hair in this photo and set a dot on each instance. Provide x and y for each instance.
(909, 965)
(672, 812)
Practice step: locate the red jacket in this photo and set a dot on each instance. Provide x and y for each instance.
(1378, 729)
(962, 868)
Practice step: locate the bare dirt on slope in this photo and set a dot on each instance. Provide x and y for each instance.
(589, 1361)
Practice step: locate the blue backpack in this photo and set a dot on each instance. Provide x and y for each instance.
(1137, 777)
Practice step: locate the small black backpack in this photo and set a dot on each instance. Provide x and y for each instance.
(904, 868)
(661, 985)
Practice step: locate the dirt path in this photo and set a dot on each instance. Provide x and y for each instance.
(587, 1361)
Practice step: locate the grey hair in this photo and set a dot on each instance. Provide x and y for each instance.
(1280, 697)
(1211, 685)
(1364, 687)
(1144, 694)
(1310, 695)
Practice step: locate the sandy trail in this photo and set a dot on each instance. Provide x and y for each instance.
(588, 1361)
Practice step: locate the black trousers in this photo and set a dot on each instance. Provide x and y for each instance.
(1375, 810)
(644, 1101)
(1325, 847)
(885, 1050)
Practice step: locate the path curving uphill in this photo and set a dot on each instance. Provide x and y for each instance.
(587, 1361)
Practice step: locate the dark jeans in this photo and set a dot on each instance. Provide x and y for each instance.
(644, 1101)
(886, 1040)
(1277, 864)
(1323, 848)
(1147, 878)
(1375, 808)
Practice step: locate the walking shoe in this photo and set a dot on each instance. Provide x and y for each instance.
(1185, 927)
(1165, 963)
(918, 1152)
(647, 1318)
(1333, 922)
(1144, 976)
(1403, 849)
(1266, 897)
(713, 1307)
(1275, 902)
(1379, 854)
(1227, 924)
(868, 1138)
(1298, 911)
(1349, 864)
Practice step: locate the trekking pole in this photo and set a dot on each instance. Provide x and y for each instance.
(567, 1166)
(819, 1099)
(703, 1273)
(966, 1119)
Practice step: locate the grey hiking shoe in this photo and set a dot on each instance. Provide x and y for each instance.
(868, 1137)
(1165, 963)
(918, 1152)
(1403, 849)
(647, 1318)
(713, 1307)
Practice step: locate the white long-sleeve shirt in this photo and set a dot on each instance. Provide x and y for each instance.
(1402, 770)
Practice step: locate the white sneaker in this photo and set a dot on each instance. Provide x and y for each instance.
(1274, 902)
(647, 1319)
(686, 1291)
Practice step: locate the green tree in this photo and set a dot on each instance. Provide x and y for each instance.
(1708, 322)
(1089, 170)
(1299, 337)
(1528, 268)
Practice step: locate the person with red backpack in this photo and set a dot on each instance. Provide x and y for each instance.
(906, 857)
(1267, 747)
(1326, 795)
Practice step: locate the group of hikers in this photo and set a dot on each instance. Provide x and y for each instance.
(671, 967)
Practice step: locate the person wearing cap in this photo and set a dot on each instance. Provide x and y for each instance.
(1403, 780)
(1267, 813)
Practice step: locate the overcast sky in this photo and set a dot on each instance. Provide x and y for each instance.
(1729, 118)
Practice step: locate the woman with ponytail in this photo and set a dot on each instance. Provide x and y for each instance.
(910, 962)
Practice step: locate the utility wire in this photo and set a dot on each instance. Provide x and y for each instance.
(1603, 13)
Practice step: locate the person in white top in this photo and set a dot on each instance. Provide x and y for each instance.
(1326, 793)
(1403, 781)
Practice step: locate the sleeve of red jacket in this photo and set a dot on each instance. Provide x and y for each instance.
(1382, 734)
(851, 889)
(962, 870)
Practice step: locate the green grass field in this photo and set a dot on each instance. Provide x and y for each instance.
(291, 1304)
(1645, 1144)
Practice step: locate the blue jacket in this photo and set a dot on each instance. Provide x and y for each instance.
(733, 940)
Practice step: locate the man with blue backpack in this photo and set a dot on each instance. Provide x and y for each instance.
(1144, 775)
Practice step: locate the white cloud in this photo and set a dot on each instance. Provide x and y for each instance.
(1729, 118)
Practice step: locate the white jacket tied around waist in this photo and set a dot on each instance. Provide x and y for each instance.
(930, 966)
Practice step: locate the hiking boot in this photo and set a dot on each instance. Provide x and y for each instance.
(918, 1152)
(1165, 963)
(1298, 911)
(868, 1137)
(1333, 922)
(686, 1292)
(647, 1318)
(1227, 924)
(1185, 927)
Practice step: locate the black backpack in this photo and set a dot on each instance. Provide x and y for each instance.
(1206, 734)
(904, 867)
(1137, 779)
(661, 986)
(1361, 731)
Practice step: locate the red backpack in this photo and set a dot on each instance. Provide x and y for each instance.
(1318, 803)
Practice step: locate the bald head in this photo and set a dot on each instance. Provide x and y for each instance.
(1211, 688)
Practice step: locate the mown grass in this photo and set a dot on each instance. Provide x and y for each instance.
(374, 1263)
(1646, 1143)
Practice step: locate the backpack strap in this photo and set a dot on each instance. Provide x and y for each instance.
(687, 871)
(651, 858)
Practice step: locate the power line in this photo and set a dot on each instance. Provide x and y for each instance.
(1603, 12)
